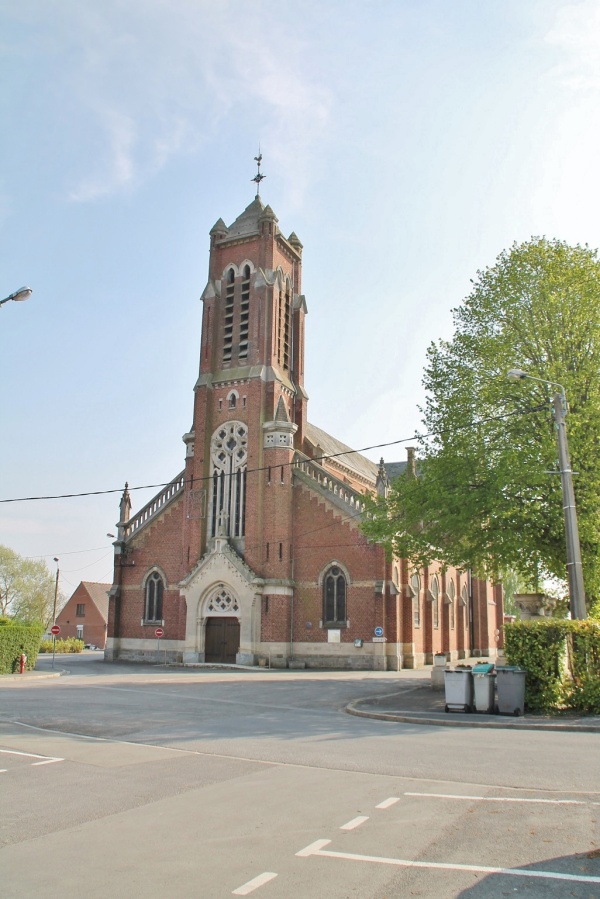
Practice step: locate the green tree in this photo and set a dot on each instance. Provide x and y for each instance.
(26, 588)
(487, 495)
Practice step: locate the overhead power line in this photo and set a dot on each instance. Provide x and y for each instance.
(348, 452)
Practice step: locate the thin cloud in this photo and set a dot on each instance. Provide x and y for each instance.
(153, 94)
(576, 32)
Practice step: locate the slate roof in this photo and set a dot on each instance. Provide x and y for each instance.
(394, 469)
(333, 447)
(247, 222)
(98, 593)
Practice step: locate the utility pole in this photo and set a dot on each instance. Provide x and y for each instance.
(574, 567)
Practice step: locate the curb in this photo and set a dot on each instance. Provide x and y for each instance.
(31, 676)
(448, 720)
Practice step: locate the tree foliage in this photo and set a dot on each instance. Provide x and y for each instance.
(26, 588)
(488, 493)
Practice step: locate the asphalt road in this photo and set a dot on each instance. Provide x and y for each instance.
(138, 781)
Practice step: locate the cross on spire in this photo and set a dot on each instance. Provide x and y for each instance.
(259, 176)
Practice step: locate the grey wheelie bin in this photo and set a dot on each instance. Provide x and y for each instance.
(458, 684)
(510, 681)
(484, 681)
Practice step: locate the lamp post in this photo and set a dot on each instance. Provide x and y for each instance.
(574, 567)
(23, 293)
(54, 610)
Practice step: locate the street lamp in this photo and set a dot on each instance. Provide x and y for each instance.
(54, 610)
(23, 293)
(574, 567)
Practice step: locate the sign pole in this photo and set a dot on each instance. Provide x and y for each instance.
(54, 630)
(158, 633)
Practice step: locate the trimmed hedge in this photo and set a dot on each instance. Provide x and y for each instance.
(562, 660)
(15, 639)
(70, 644)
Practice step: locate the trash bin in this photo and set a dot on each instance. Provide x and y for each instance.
(458, 684)
(484, 683)
(510, 681)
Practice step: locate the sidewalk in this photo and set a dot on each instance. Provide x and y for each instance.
(417, 703)
(32, 675)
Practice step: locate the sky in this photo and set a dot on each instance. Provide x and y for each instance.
(406, 142)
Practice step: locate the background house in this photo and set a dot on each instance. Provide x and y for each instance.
(85, 614)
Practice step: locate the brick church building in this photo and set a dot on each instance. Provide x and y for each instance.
(253, 554)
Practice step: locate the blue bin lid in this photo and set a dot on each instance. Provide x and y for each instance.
(483, 668)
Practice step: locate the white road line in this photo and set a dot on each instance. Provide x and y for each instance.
(391, 801)
(497, 798)
(47, 760)
(254, 884)
(356, 822)
(31, 755)
(316, 848)
(272, 763)
(313, 849)
(3, 770)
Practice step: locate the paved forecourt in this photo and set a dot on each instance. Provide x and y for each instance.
(228, 785)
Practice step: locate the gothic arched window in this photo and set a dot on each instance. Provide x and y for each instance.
(452, 604)
(228, 317)
(154, 597)
(415, 583)
(229, 458)
(244, 313)
(435, 601)
(284, 325)
(334, 596)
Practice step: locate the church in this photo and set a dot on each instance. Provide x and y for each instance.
(253, 553)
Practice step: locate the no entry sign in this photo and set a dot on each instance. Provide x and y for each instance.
(55, 629)
(158, 632)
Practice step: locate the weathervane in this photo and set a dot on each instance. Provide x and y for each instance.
(259, 176)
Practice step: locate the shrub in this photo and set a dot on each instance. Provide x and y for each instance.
(583, 647)
(15, 639)
(69, 644)
(562, 661)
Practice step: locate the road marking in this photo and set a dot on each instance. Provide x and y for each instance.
(317, 848)
(313, 849)
(46, 760)
(3, 770)
(391, 801)
(254, 884)
(273, 763)
(356, 822)
(497, 798)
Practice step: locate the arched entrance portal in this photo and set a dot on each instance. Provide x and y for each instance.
(222, 634)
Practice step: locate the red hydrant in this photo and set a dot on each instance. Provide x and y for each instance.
(22, 663)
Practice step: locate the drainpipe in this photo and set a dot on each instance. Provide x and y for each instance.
(471, 619)
(292, 572)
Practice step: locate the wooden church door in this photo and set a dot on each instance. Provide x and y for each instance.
(222, 640)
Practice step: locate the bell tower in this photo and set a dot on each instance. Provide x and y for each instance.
(250, 402)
